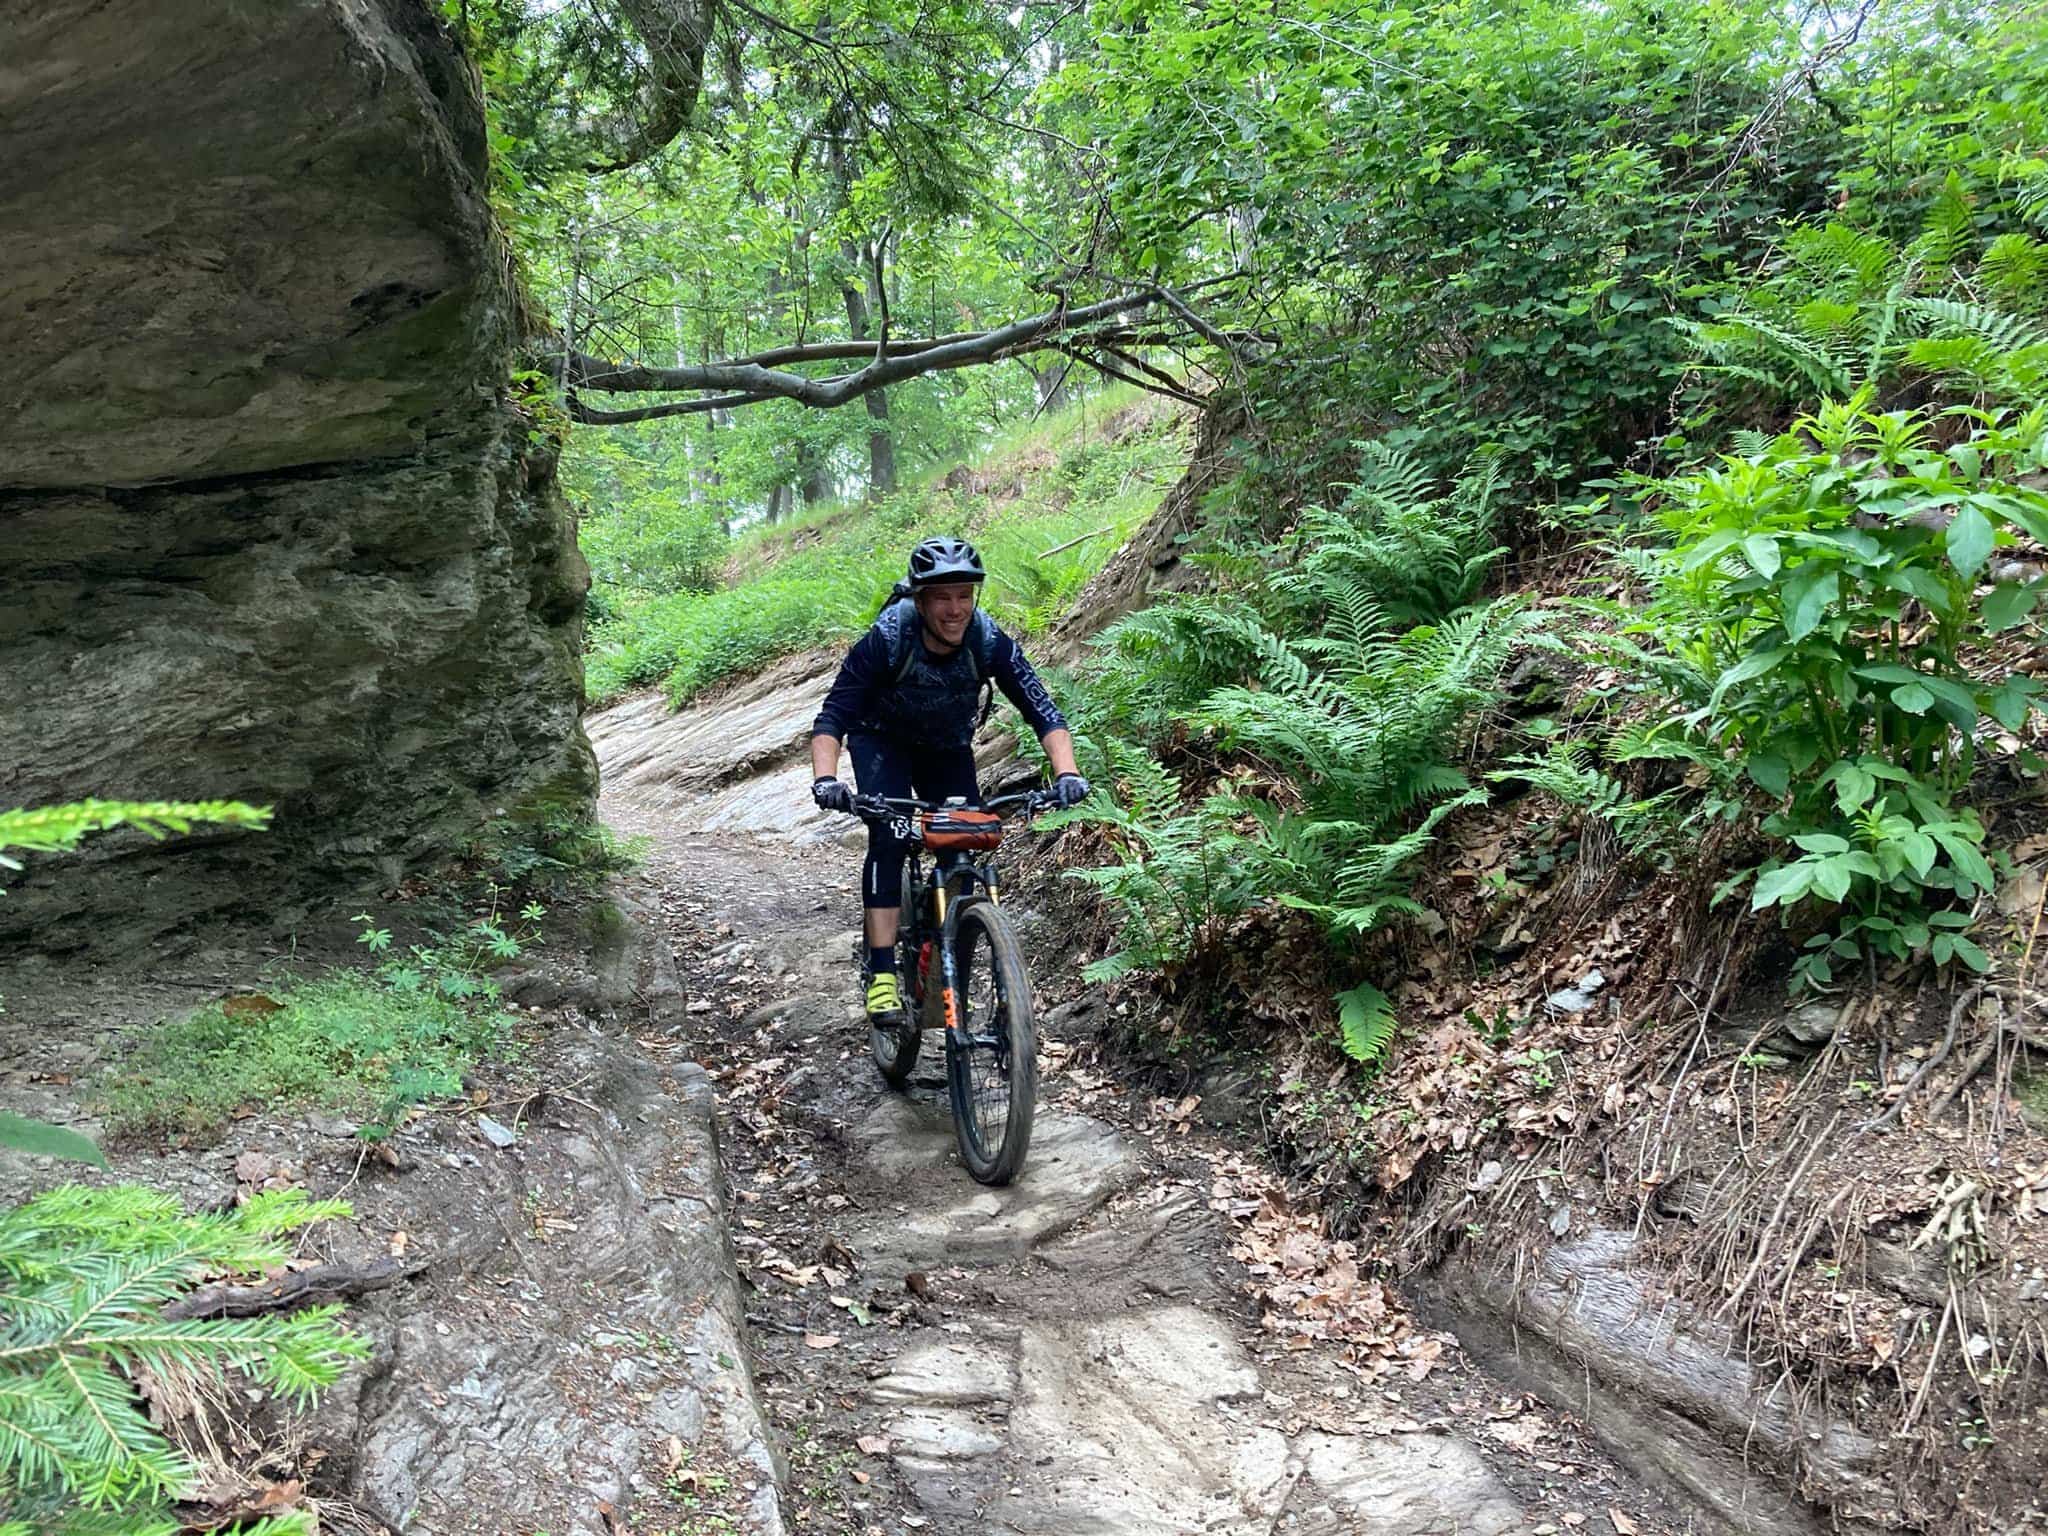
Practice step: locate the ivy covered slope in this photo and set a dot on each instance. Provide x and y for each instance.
(274, 528)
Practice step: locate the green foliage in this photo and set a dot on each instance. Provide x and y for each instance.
(1646, 827)
(1055, 486)
(1365, 1019)
(1821, 599)
(375, 1044)
(694, 641)
(1352, 711)
(554, 853)
(82, 1274)
(1418, 556)
(1178, 881)
(1845, 309)
(58, 828)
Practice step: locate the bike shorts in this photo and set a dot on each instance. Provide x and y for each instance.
(885, 767)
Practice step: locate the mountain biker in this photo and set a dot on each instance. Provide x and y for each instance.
(906, 703)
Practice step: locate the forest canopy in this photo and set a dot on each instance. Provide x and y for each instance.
(1476, 222)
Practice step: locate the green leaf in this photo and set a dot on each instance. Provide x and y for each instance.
(2009, 603)
(1763, 554)
(1784, 885)
(1749, 667)
(1821, 842)
(40, 1139)
(1366, 1018)
(1853, 786)
(1971, 955)
(1913, 698)
(1808, 591)
(1970, 539)
(1831, 879)
(1771, 773)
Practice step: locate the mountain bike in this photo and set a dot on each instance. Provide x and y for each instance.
(962, 970)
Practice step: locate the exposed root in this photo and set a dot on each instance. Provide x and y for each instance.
(1890, 1116)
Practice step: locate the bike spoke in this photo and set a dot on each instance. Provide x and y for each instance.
(988, 1064)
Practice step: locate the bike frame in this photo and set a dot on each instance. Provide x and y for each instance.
(955, 884)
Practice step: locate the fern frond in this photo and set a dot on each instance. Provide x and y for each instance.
(1365, 1018)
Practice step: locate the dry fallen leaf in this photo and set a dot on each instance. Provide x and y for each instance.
(873, 1445)
(1623, 1526)
(821, 1340)
(398, 1244)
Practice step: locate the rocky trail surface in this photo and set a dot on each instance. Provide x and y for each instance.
(681, 1265)
(1140, 1336)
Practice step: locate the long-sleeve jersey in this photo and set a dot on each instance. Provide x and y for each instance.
(861, 697)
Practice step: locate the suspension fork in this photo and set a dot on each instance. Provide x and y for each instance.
(947, 925)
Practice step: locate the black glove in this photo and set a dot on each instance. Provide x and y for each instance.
(1069, 789)
(831, 795)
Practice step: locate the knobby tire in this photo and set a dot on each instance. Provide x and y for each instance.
(992, 1073)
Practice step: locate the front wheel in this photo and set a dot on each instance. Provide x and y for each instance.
(992, 1057)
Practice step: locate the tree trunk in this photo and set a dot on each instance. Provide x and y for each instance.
(859, 288)
(778, 504)
(1052, 385)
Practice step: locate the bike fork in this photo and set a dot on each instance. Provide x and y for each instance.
(948, 976)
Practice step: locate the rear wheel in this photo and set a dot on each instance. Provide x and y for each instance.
(895, 1049)
(993, 1060)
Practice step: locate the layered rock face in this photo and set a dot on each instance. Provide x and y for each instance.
(269, 527)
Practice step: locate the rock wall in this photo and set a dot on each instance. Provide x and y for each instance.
(270, 528)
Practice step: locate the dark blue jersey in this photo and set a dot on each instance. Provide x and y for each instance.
(892, 684)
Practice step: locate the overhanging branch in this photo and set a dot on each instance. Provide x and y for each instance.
(751, 379)
(1106, 326)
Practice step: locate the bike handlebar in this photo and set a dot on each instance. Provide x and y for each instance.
(1032, 800)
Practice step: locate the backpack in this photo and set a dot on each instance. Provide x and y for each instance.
(902, 628)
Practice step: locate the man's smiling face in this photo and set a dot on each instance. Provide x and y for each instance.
(947, 609)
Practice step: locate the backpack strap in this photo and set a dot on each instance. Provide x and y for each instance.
(903, 627)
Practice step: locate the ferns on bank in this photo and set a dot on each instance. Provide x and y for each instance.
(1349, 676)
(1850, 309)
(1177, 877)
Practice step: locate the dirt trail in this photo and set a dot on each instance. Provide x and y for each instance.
(1077, 1353)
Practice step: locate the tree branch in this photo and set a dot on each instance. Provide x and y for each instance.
(745, 380)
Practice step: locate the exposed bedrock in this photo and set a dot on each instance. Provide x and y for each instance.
(270, 528)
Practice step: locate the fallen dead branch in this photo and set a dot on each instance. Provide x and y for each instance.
(299, 1288)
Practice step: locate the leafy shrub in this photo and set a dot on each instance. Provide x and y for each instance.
(557, 853)
(1821, 597)
(1361, 719)
(1419, 557)
(82, 1274)
(1646, 827)
(694, 641)
(1179, 879)
(1847, 309)
(376, 1044)
(1320, 675)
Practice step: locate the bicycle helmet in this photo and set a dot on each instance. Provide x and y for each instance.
(945, 559)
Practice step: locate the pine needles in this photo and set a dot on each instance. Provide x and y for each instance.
(83, 1274)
